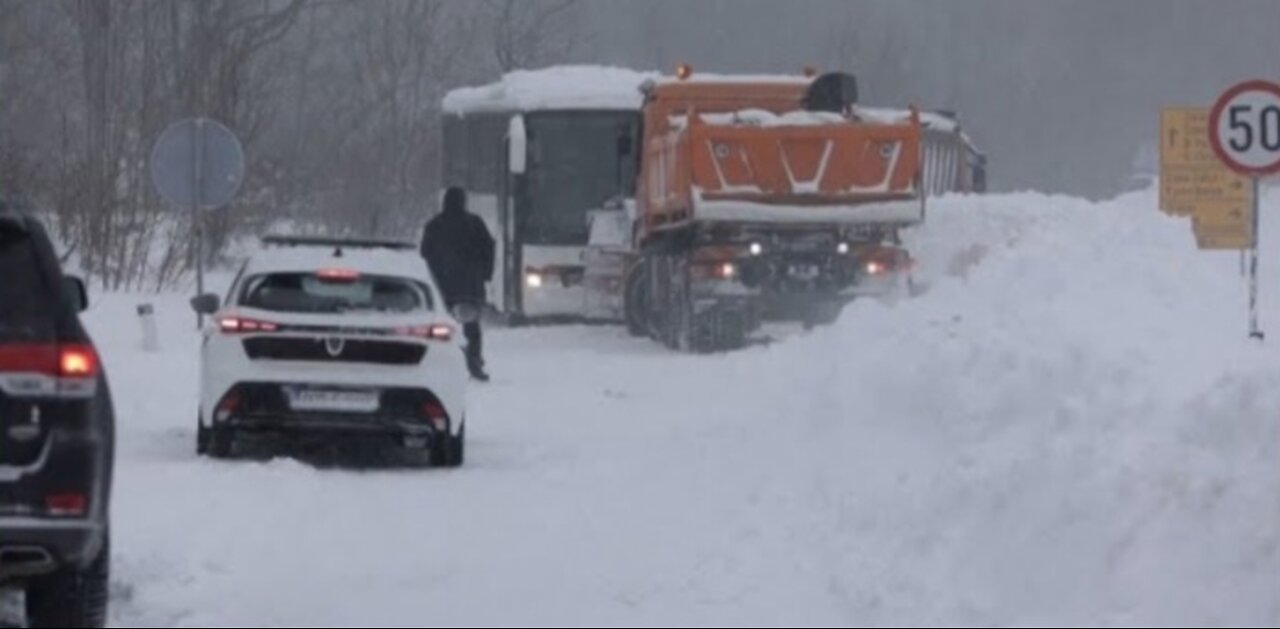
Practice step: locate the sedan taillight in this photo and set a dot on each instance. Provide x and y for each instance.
(434, 332)
(242, 325)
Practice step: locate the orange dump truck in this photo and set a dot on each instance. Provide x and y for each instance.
(765, 198)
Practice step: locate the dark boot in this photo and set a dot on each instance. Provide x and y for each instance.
(475, 360)
(477, 372)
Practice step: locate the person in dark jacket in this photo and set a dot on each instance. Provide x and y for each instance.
(459, 250)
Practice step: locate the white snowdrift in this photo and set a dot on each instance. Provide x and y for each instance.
(1067, 427)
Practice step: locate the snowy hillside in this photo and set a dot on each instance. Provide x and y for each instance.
(1067, 426)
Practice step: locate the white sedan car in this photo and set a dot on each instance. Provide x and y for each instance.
(339, 337)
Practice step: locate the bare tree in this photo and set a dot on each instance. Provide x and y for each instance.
(527, 33)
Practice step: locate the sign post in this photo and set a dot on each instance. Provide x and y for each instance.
(1244, 131)
(198, 164)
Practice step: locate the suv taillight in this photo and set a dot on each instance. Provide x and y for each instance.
(73, 504)
(49, 370)
(77, 361)
(59, 361)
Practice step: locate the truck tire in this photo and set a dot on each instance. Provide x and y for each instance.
(72, 596)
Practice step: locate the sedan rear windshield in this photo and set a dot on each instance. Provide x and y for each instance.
(332, 293)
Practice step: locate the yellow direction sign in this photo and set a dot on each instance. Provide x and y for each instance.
(1184, 137)
(1212, 236)
(1195, 183)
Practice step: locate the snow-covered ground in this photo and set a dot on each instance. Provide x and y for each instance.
(1068, 427)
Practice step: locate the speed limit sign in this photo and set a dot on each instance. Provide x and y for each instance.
(1244, 128)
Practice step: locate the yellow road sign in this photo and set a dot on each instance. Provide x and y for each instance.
(1223, 235)
(1195, 183)
(1184, 137)
(1224, 213)
(1223, 241)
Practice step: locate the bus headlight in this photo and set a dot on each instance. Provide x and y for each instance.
(533, 279)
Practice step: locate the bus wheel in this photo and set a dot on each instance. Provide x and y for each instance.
(635, 302)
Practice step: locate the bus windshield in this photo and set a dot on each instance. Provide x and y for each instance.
(575, 165)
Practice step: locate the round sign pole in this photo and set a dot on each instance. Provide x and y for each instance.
(1254, 331)
(197, 175)
(1244, 131)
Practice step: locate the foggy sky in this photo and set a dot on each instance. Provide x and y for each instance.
(1061, 94)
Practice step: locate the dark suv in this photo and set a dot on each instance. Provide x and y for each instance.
(56, 437)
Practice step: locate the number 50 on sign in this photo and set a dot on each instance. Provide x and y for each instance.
(1244, 128)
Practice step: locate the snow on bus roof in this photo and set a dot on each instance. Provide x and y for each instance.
(557, 87)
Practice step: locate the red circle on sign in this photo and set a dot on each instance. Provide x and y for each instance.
(1215, 138)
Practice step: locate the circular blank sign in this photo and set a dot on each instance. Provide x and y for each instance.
(197, 163)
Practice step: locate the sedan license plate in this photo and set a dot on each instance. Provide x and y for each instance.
(339, 400)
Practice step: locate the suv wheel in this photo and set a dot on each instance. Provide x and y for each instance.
(72, 596)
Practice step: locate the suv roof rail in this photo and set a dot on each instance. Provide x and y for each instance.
(348, 243)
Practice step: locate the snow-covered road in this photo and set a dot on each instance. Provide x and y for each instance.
(1068, 427)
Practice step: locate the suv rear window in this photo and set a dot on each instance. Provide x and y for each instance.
(25, 293)
(314, 292)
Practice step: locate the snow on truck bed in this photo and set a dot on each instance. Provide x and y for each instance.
(802, 118)
(1068, 427)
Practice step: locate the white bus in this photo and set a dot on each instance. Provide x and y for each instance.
(536, 151)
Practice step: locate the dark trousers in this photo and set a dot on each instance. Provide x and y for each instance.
(475, 344)
(470, 331)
